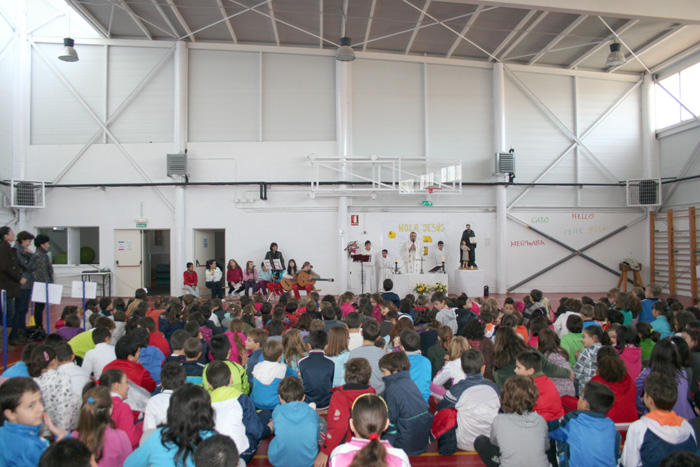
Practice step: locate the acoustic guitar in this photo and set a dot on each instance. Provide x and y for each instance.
(303, 279)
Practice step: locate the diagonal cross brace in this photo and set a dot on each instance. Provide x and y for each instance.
(574, 252)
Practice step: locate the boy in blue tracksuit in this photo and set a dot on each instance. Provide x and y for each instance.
(317, 371)
(267, 376)
(421, 369)
(409, 418)
(296, 427)
(256, 339)
(586, 437)
(651, 293)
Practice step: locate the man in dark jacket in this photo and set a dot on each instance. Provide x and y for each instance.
(469, 239)
(24, 257)
(43, 272)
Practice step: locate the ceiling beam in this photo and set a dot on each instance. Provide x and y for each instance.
(344, 20)
(274, 23)
(523, 34)
(369, 24)
(320, 23)
(229, 26)
(87, 16)
(574, 24)
(636, 53)
(165, 18)
(526, 19)
(676, 11)
(465, 30)
(135, 18)
(183, 23)
(605, 42)
(418, 23)
(676, 58)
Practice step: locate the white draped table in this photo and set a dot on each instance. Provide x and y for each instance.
(405, 283)
(470, 282)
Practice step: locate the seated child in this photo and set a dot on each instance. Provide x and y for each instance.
(177, 342)
(66, 366)
(194, 369)
(475, 399)
(228, 413)
(410, 420)
(519, 434)
(445, 315)
(437, 353)
(267, 376)
(68, 452)
(19, 369)
(354, 324)
(586, 436)
(660, 324)
(227, 399)
(172, 376)
(317, 371)
(83, 342)
(452, 371)
(192, 327)
(572, 342)
(388, 294)
(218, 451)
(106, 306)
(221, 351)
(128, 350)
(96, 359)
(154, 338)
(118, 385)
(369, 420)
(421, 369)
(67, 310)
(661, 431)
(72, 328)
(587, 312)
(256, 339)
(357, 375)
(150, 357)
(593, 338)
(295, 426)
(21, 417)
(548, 402)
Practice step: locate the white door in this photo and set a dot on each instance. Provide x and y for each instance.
(204, 250)
(128, 258)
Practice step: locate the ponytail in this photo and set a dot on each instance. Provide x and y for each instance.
(369, 418)
(40, 359)
(373, 454)
(94, 419)
(598, 333)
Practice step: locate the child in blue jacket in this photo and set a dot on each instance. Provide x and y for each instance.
(421, 368)
(410, 420)
(21, 415)
(586, 437)
(317, 371)
(296, 427)
(267, 376)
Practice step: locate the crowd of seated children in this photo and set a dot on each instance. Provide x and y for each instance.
(315, 357)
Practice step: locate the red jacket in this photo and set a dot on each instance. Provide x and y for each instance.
(124, 420)
(624, 409)
(339, 431)
(234, 275)
(135, 372)
(191, 278)
(160, 342)
(549, 402)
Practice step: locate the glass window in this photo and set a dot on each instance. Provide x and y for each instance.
(73, 245)
(683, 86)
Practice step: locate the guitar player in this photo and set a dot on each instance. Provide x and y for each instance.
(309, 287)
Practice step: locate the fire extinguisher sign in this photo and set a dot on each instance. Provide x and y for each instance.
(355, 219)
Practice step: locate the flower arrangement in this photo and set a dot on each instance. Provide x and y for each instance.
(440, 287)
(421, 288)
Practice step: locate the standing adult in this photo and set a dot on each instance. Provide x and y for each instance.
(384, 269)
(411, 254)
(274, 254)
(43, 272)
(468, 245)
(370, 278)
(24, 256)
(10, 272)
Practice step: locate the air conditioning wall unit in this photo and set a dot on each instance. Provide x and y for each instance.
(177, 164)
(505, 163)
(26, 194)
(644, 192)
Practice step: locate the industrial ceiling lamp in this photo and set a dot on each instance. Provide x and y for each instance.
(68, 54)
(345, 52)
(616, 58)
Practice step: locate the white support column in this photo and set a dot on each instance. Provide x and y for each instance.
(650, 146)
(21, 106)
(499, 145)
(343, 125)
(181, 250)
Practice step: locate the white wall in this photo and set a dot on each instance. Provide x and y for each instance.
(254, 115)
(675, 150)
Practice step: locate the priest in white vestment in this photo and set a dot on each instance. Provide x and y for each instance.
(411, 254)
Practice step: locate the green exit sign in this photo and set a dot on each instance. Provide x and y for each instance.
(141, 225)
(427, 203)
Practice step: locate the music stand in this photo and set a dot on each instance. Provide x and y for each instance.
(362, 259)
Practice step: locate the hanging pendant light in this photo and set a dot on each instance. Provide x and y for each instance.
(68, 54)
(345, 52)
(615, 58)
